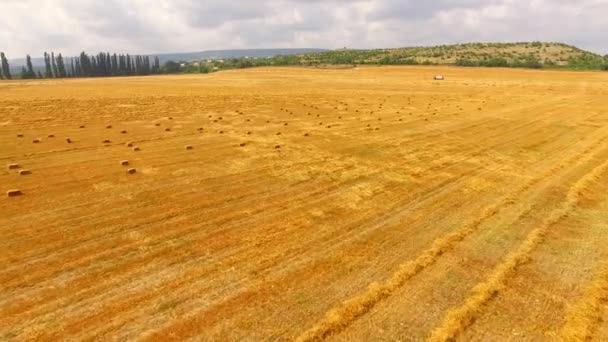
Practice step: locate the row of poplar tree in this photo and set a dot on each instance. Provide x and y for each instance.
(101, 65)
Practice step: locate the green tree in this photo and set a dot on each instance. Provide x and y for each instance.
(171, 67)
(24, 74)
(48, 73)
(61, 66)
(30, 67)
(6, 70)
(54, 64)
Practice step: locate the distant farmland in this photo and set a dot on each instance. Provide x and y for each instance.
(362, 204)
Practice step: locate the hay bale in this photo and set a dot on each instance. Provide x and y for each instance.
(242, 144)
(35, 141)
(136, 148)
(221, 132)
(19, 135)
(305, 134)
(107, 141)
(156, 124)
(51, 135)
(25, 172)
(123, 132)
(124, 162)
(129, 144)
(82, 126)
(109, 126)
(131, 171)
(277, 146)
(69, 141)
(13, 166)
(189, 147)
(278, 133)
(14, 193)
(248, 132)
(170, 118)
(167, 129)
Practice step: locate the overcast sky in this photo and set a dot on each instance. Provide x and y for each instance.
(156, 26)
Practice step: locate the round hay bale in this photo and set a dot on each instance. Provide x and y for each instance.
(51, 135)
(123, 132)
(36, 141)
(68, 140)
(136, 148)
(107, 141)
(124, 162)
(167, 129)
(25, 172)
(109, 126)
(189, 147)
(19, 135)
(13, 166)
(131, 171)
(129, 144)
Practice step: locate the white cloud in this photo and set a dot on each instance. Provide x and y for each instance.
(147, 26)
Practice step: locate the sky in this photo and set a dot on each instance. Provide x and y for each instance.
(163, 26)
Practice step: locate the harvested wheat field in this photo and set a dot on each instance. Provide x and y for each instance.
(306, 204)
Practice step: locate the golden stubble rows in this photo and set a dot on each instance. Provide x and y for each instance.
(291, 203)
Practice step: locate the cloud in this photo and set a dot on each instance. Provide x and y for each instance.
(147, 26)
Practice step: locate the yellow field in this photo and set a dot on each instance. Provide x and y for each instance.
(389, 207)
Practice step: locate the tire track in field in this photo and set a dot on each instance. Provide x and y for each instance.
(339, 318)
(458, 319)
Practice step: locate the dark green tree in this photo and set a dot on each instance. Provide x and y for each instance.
(85, 65)
(61, 66)
(114, 65)
(129, 66)
(30, 68)
(6, 70)
(171, 67)
(54, 65)
(72, 68)
(24, 74)
(48, 73)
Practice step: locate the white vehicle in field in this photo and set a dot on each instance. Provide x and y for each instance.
(439, 78)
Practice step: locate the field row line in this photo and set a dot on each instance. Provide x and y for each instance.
(458, 319)
(339, 318)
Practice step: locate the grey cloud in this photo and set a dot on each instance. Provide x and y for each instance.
(147, 26)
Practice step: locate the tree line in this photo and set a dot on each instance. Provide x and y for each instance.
(103, 64)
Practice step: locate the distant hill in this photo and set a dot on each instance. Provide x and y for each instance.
(38, 62)
(524, 54)
(221, 54)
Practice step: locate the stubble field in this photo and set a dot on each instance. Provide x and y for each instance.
(344, 205)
